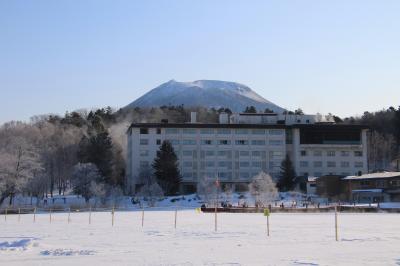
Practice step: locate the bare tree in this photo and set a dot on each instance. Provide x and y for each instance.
(151, 192)
(263, 189)
(99, 192)
(19, 159)
(207, 189)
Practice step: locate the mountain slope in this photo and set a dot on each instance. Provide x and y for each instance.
(206, 93)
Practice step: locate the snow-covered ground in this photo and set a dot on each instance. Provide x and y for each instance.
(296, 239)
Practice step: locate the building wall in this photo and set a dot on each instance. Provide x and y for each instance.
(234, 155)
(329, 159)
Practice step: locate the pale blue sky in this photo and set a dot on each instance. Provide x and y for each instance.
(324, 56)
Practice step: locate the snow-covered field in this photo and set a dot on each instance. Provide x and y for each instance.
(296, 239)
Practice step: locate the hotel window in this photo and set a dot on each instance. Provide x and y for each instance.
(344, 164)
(189, 131)
(187, 164)
(358, 164)
(224, 142)
(273, 164)
(317, 164)
(331, 164)
(244, 153)
(210, 164)
(358, 153)
(144, 142)
(242, 142)
(144, 131)
(144, 153)
(224, 131)
(207, 131)
(258, 142)
(158, 141)
(241, 131)
(224, 175)
(256, 164)
(303, 153)
(258, 132)
(256, 153)
(244, 164)
(187, 175)
(189, 142)
(187, 153)
(144, 164)
(275, 142)
(222, 153)
(276, 155)
(331, 153)
(276, 132)
(210, 153)
(303, 164)
(222, 164)
(174, 141)
(317, 153)
(244, 175)
(171, 131)
(345, 153)
(158, 131)
(206, 142)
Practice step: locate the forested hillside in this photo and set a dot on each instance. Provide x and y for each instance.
(84, 151)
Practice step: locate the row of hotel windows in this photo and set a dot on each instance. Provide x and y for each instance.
(332, 153)
(317, 164)
(214, 142)
(277, 155)
(257, 164)
(223, 164)
(224, 131)
(221, 175)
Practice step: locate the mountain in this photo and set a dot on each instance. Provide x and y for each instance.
(206, 93)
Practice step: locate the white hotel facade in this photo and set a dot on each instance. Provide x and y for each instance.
(241, 145)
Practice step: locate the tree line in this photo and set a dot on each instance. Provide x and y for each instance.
(84, 151)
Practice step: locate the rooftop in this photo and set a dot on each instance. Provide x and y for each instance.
(374, 176)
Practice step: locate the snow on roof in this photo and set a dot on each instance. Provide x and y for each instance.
(373, 176)
(367, 190)
(312, 178)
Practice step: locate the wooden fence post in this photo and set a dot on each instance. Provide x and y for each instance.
(112, 214)
(143, 217)
(90, 215)
(336, 224)
(176, 216)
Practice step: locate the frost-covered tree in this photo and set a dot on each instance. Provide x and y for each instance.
(84, 174)
(99, 192)
(207, 189)
(263, 189)
(19, 161)
(152, 192)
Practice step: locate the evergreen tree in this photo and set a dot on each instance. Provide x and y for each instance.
(97, 149)
(250, 110)
(166, 169)
(287, 175)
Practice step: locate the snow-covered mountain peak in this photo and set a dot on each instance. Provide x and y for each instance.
(206, 93)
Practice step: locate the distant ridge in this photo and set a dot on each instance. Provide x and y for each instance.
(205, 93)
